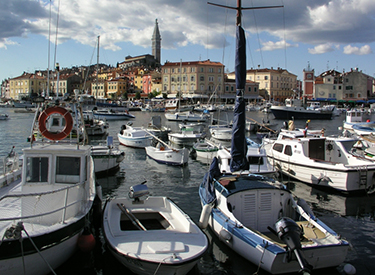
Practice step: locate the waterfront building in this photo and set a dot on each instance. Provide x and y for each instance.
(27, 85)
(193, 79)
(274, 84)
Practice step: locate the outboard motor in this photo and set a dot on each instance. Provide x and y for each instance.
(137, 191)
(289, 232)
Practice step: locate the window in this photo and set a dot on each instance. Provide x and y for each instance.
(201, 70)
(68, 169)
(219, 70)
(201, 78)
(211, 79)
(192, 78)
(227, 88)
(192, 70)
(278, 147)
(210, 70)
(37, 169)
(288, 150)
(265, 77)
(249, 89)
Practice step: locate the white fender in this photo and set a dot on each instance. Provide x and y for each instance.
(225, 235)
(205, 215)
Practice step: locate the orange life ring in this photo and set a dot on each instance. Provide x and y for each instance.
(55, 110)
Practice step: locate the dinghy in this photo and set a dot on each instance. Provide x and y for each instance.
(152, 235)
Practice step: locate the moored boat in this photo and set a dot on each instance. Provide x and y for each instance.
(110, 114)
(256, 216)
(136, 137)
(321, 161)
(152, 235)
(46, 202)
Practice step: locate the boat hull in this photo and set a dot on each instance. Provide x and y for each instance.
(170, 244)
(178, 157)
(288, 113)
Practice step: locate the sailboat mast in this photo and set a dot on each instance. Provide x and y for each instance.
(97, 68)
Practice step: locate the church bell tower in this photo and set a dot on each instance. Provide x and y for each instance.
(156, 42)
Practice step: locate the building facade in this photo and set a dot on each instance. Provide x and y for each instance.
(194, 78)
(27, 85)
(274, 84)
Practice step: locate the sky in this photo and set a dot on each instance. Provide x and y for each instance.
(322, 34)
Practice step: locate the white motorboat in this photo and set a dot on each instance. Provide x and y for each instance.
(355, 117)
(186, 116)
(152, 235)
(321, 161)
(136, 137)
(46, 202)
(109, 114)
(107, 159)
(258, 217)
(94, 126)
(166, 154)
(187, 136)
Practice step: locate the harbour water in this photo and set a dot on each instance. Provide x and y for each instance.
(351, 216)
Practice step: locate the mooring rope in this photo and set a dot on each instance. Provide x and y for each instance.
(14, 232)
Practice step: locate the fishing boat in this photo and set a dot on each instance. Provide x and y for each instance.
(187, 136)
(221, 132)
(206, 149)
(106, 158)
(257, 216)
(165, 154)
(186, 116)
(95, 127)
(152, 235)
(325, 162)
(293, 109)
(47, 201)
(136, 137)
(109, 114)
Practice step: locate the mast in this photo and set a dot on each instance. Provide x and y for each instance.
(97, 68)
(238, 143)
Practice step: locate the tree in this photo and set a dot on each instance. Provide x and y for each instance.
(138, 95)
(125, 96)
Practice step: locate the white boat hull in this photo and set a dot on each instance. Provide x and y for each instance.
(168, 156)
(173, 246)
(135, 137)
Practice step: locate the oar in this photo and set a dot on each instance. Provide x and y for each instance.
(161, 141)
(262, 125)
(131, 217)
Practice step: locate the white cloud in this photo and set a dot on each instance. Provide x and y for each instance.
(270, 45)
(366, 49)
(320, 49)
(5, 42)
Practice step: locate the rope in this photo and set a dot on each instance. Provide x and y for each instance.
(174, 256)
(261, 258)
(14, 232)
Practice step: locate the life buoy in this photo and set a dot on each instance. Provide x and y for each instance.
(55, 110)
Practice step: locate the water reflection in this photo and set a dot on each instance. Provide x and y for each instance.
(320, 201)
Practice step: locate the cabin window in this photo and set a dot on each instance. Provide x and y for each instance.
(288, 150)
(278, 147)
(37, 169)
(68, 169)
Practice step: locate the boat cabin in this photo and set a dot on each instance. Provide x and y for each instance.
(354, 115)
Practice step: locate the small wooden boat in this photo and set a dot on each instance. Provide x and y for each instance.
(206, 149)
(165, 154)
(152, 235)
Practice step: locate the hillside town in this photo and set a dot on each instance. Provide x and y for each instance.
(144, 77)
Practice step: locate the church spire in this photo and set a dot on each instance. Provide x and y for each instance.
(156, 42)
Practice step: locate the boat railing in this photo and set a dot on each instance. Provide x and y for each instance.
(47, 207)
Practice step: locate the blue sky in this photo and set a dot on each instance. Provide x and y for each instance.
(327, 34)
